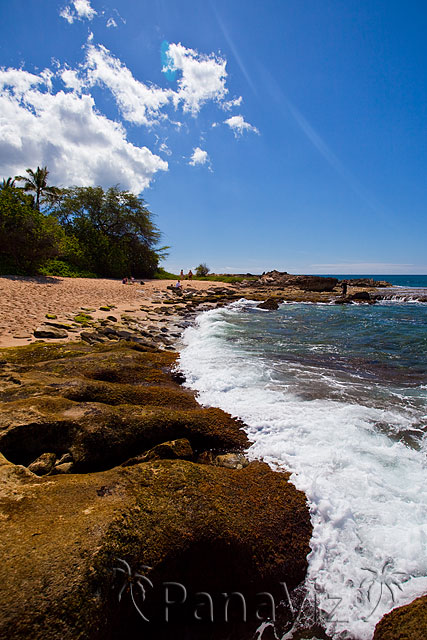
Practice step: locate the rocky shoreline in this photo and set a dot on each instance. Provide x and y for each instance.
(115, 483)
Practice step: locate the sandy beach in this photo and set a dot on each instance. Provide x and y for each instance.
(25, 301)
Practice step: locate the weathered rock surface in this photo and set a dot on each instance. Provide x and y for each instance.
(103, 404)
(219, 527)
(209, 528)
(43, 465)
(46, 331)
(165, 451)
(404, 623)
(306, 283)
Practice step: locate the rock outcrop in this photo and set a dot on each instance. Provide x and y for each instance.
(76, 538)
(404, 623)
(306, 283)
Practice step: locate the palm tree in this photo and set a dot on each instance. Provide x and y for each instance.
(37, 183)
(7, 183)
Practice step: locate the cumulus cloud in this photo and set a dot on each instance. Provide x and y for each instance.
(238, 125)
(199, 157)
(203, 77)
(139, 103)
(78, 10)
(65, 132)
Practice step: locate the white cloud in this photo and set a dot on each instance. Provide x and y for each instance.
(239, 126)
(67, 14)
(111, 22)
(82, 11)
(199, 157)
(71, 79)
(203, 77)
(139, 103)
(65, 132)
(232, 103)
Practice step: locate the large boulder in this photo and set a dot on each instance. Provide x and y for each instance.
(207, 528)
(404, 623)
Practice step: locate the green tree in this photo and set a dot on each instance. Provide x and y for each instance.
(27, 236)
(202, 270)
(111, 232)
(36, 183)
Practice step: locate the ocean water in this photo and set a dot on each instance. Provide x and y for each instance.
(395, 280)
(337, 396)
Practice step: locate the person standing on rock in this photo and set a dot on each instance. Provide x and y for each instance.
(190, 274)
(344, 288)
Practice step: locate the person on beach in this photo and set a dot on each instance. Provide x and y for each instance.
(182, 274)
(190, 274)
(344, 288)
(178, 285)
(124, 281)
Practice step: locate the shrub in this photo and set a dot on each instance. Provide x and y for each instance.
(202, 270)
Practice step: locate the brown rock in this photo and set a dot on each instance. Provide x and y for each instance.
(271, 304)
(404, 623)
(43, 465)
(231, 461)
(50, 332)
(209, 528)
(171, 450)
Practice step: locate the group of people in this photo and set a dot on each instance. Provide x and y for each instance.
(128, 280)
(183, 277)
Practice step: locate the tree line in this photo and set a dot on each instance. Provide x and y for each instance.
(78, 231)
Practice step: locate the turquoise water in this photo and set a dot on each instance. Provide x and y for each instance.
(336, 395)
(396, 280)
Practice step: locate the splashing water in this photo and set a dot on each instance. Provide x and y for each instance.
(336, 396)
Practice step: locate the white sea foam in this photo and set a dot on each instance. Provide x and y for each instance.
(367, 493)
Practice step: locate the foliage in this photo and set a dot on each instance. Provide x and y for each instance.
(63, 269)
(110, 233)
(36, 182)
(224, 278)
(202, 270)
(161, 274)
(27, 236)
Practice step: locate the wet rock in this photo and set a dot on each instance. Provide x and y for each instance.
(271, 304)
(43, 465)
(231, 461)
(343, 300)
(361, 296)
(46, 331)
(404, 623)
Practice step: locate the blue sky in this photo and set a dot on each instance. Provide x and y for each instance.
(287, 134)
